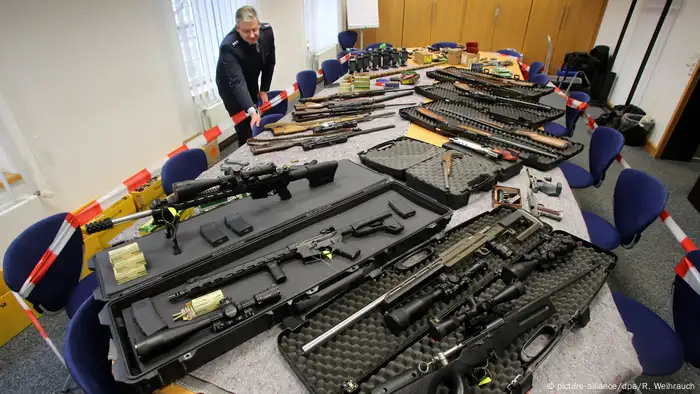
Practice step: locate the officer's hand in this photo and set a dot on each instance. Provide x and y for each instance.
(263, 97)
(254, 119)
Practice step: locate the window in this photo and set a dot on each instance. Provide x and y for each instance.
(322, 24)
(201, 26)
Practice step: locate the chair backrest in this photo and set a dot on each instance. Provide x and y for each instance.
(638, 200)
(307, 83)
(540, 79)
(54, 289)
(572, 114)
(686, 314)
(377, 45)
(265, 120)
(344, 67)
(444, 44)
(535, 69)
(606, 144)
(86, 347)
(347, 39)
(184, 166)
(280, 108)
(510, 52)
(331, 70)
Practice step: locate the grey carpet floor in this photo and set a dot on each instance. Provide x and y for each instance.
(644, 272)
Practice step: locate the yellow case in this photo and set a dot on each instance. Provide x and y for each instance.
(144, 198)
(14, 319)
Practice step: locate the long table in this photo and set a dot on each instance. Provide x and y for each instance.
(598, 358)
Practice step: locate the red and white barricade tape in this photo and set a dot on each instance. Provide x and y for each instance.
(96, 207)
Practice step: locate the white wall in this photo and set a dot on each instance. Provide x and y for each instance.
(97, 87)
(18, 218)
(288, 22)
(669, 66)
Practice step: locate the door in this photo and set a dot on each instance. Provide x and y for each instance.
(479, 22)
(447, 20)
(511, 23)
(417, 22)
(390, 22)
(546, 17)
(578, 30)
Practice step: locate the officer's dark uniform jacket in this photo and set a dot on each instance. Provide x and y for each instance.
(239, 66)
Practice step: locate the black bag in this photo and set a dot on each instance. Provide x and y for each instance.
(614, 118)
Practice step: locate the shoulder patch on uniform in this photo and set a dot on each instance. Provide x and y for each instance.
(265, 26)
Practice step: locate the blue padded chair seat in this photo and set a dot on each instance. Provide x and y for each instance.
(601, 232)
(82, 291)
(659, 350)
(556, 129)
(576, 176)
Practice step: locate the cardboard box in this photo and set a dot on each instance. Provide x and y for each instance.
(14, 318)
(422, 57)
(144, 197)
(213, 152)
(454, 56)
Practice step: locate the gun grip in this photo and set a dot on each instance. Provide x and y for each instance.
(347, 251)
(276, 272)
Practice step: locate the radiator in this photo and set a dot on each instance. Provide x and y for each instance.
(326, 54)
(213, 115)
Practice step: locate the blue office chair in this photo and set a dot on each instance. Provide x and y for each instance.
(306, 80)
(86, 346)
(606, 144)
(444, 44)
(280, 108)
(510, 52)
(331, 71)
(637, 202)
(265, 120)
(344, 67)
(61, 286)
(686, 314)
(535, 69)
(347, 39)
(184, 166)
(377, 44)
(572, 115)
(659, 350)
(539, 79)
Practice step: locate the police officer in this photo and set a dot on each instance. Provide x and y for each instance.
(246, 51)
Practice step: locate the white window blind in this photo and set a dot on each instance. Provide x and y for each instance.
(201, 26)
(322, 24)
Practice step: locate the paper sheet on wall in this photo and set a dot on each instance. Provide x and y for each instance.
(363, 14)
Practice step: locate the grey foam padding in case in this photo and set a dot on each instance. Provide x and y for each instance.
(527, 92)
(471, 173)
(534, 160)
(396, 156)
(369, 354)
(529, 117)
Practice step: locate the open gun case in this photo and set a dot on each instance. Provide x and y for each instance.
(497, 110)
(135, 311)
(522, 92)
(366, 356)
(420, 165)
(452, 112)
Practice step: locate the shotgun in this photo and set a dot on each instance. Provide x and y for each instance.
(464, 129)
(533, 135)
(468, 91)
(308, 142)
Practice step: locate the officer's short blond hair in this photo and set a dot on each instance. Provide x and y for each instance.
(245, 13)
